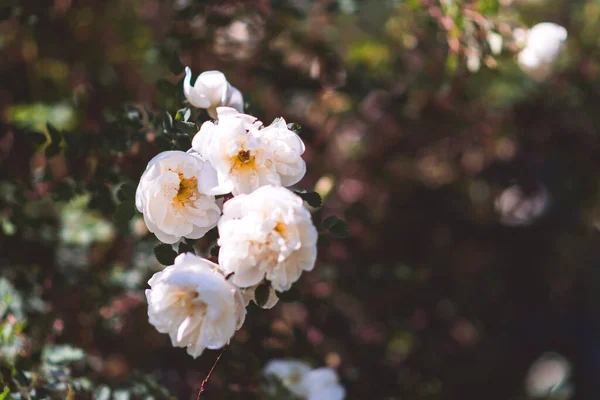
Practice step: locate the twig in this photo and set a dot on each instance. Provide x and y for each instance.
(209, 374)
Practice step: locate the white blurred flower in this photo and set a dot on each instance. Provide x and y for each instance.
(173, 196)
(268, 233)
(246, 155)
(290, 373)
(194, 304)
(240, 39)
(519, 208)
(542, 48)
(250, 294)
(181, 4)
(548, 377)
(210, 91)
(301, 380)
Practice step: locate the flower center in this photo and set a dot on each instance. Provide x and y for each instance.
(186, 300)
(243, 160)
(281, 228)
(244, 156)
(188, 191)
(295, 377)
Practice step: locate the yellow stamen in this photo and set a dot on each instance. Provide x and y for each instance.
(243, 160)
(186, 301)
(281, 228)
(188, 191)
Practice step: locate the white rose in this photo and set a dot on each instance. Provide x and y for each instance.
(246, 155)
(291, 374)
(268, 233)
(210, 91)
(194, 304)
(173, 196)
(543, 45)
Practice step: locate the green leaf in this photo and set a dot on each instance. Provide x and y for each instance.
(165, 254)
(62, 191)
(126, 192)
(290, 296)
(186, 127)
(55, 135)
(183, 114)
(295, 127)
(52, 150)
(175, 65)
(166, 88)
(261, 294)
(8, 227)
(451, 63)
(10, 300)
(487, 7)
(323, 241)
(312, 198)
(102, 199)
(62, 354)
(125, 211)
(163, 143)
(330, 221)
(338, 228)
(185, 248)
(4, 393)
(36, 138)
(167, 122)
(183, 141)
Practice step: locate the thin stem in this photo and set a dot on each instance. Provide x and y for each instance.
(209, 374)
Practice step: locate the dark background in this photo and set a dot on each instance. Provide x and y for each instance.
(471, 193)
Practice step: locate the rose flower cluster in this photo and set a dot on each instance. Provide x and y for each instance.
(265, 231)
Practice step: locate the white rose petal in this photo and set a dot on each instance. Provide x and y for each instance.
(247, 155)
(268, 233)
(291, 373)
(173, 196)
(548, 377)
(517, 207)
(210, 91)
(322, 384)
(194, 304)
(543, 46)
(334, 392)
